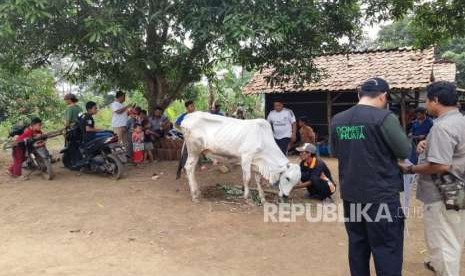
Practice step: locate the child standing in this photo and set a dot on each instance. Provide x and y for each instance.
(19, 150)
(148, 140)
(133, 113)
(137, 144)
(142, 116)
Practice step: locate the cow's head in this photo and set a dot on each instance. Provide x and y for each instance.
(289, 179)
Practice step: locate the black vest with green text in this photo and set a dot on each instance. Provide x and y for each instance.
(368, 170)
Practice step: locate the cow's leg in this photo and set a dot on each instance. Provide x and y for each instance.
(182, 161)
(258, 180)
(246, 164)
(190, 166)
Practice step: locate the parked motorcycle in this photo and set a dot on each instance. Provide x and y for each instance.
(38, 157)
(102, 154)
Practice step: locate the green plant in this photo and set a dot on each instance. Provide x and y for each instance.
(26, 94)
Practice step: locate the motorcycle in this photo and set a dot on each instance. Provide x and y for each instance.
(38, 157)
(102, 154)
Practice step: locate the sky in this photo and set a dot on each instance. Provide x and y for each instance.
(372, 31)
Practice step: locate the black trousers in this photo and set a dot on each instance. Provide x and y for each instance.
(319, 189)
(283, 144)
(383, 239)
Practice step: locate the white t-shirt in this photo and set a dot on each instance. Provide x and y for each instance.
(282, 123)
(118, 120)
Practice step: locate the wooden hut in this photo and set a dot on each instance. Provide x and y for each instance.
(408, 72)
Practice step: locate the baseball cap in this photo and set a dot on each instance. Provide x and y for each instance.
(308, 147)
(374, 85)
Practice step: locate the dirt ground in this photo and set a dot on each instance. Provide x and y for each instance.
(91, 225)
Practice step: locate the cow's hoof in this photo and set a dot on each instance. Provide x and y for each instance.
(195, 200)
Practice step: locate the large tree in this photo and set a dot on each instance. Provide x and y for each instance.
(166, 45)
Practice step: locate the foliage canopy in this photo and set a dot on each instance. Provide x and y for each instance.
(166, 45)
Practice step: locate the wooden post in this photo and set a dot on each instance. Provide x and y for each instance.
(403, 110)
(329, 110)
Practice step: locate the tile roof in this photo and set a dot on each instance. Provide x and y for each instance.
(402, 68)
(444, 70)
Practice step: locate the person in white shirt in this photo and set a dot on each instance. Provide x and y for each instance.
(284, 127)
(119, 118)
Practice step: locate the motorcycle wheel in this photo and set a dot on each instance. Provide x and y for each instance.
(114, 166)
(46, 167)
(66, 159)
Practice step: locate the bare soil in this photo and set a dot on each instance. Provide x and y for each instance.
(91, 225)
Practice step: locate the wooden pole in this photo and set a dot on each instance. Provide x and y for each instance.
(329, 110)
(403, 110)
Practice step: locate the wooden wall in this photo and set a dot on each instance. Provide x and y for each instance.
(315, 106)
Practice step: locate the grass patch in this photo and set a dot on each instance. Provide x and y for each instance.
(230, 193)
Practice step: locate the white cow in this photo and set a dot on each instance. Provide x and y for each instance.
(249, 142)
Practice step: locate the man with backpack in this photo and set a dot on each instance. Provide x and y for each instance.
(72, 110)
(441, 169)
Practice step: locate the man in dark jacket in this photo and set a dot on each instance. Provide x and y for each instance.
(316, 176)
(368, 141)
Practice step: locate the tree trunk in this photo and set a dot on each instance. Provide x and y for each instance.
(211, 95)
(157, 93)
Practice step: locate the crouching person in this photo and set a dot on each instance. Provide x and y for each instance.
(316, 177)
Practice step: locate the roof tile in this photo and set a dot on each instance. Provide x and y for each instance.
(402, 68)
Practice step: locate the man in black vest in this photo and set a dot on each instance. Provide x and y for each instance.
(368, 141)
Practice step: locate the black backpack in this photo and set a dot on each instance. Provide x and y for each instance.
(76, 131)
(17, 129)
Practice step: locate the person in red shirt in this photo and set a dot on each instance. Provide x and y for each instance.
(138, 145)
(19, 152)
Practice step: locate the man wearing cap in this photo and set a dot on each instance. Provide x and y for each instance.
(316, 177)
(368, 141)
(72, 110)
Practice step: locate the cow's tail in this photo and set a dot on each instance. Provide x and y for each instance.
(182, 160)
